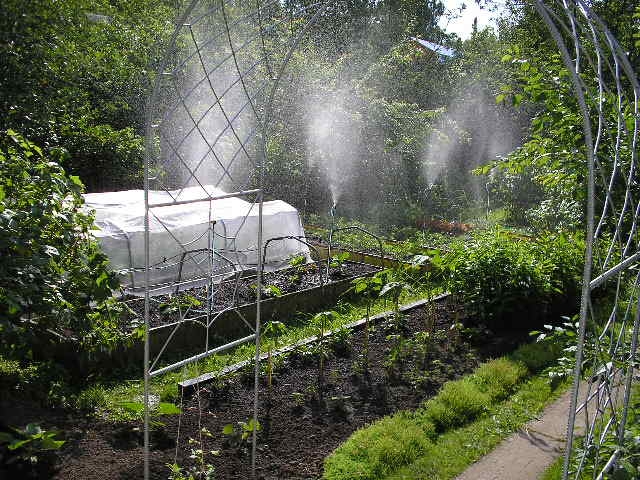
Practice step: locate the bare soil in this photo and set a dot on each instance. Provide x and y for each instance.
(300, 426)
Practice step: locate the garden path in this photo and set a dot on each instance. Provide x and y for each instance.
(526, 454)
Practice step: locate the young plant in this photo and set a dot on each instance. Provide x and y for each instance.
(298, 262)
(321, 322)
(368, 289)
(397, 356)
(201, 470)
(274, 330)
(394, 290)
(178, 304)
(237, 436)
(337, 261)
(271, 291)
(340, 342)
(27, 445)
(424, 344)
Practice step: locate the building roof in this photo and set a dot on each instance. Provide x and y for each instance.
(439, 49)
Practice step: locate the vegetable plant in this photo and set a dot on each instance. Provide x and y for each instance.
(368, 289)
(321, 322)
(237, 435)
(179, 303)
(27, 445)
(337, 261)
(274, 330)
(201, 470)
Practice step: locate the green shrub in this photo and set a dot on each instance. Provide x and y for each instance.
(55, 284)
(537, 356)
(508, 282)
(117, 154)
(383, 447)
(499, 378)
(457, 403)
(41, 382)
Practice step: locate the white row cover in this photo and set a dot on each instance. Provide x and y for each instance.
(180, 237)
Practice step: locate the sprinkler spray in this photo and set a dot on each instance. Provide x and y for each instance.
(332, 214)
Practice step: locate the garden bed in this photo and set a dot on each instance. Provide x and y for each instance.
(299, 426)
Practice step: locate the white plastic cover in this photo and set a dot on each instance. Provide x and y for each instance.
(180, 237)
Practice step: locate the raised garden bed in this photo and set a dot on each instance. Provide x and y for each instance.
(286, 293)
(300, 427)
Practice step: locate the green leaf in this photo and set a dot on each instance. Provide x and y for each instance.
(165, 408)
(133, 407)
(76, 180)
(228, 429)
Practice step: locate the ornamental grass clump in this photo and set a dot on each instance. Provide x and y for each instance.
(457, 403)
(382, 448)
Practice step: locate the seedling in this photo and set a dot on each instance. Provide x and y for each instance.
(273, 329)
(298, 399)
(179, 303)
(337, 261)
(368, 288)
(340, 341)
(28, 444)
(424, 342)
(237, 435)
(298, 402)
(268, 291)
(300, 265)
(321, 321)
(397, 355)
(201, 470)
(393, 290)
(271, 291)
(298, 262)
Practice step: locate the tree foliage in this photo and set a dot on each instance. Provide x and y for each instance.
(55, 283)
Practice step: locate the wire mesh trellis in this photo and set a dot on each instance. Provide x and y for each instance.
(607, 90)
(207, 124)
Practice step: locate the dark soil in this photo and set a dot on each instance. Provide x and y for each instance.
(300, 427)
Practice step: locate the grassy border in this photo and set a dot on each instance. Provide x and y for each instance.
(443, 437)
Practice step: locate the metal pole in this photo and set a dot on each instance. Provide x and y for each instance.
(146, 318)
(256, 380)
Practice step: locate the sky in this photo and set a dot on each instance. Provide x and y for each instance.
(464, 24)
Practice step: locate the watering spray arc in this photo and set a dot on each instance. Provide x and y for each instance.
(332, 228)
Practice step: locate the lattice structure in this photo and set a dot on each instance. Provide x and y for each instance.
(205, 143)
(607, 91)
(208, 119)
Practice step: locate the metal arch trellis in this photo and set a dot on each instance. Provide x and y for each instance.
(607, 90)
(215, 88)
